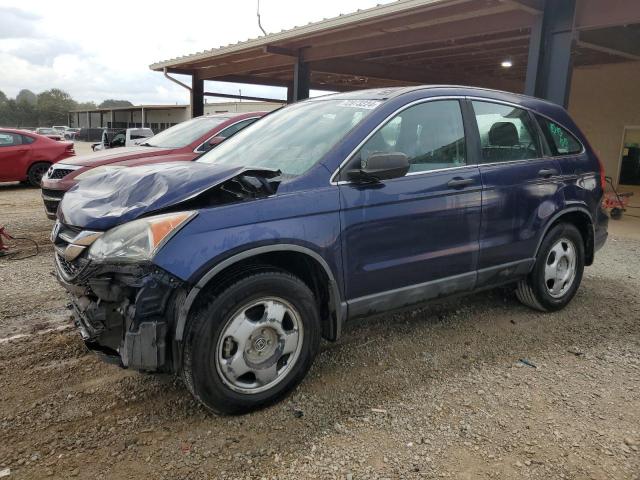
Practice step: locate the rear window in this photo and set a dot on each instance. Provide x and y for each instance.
(9, 139)
(560, 141)
(506, 133)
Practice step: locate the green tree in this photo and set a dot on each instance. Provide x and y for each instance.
(26, 113)
(8, 113)
(4, 110)
(110, 103)
(86, 106)
(54, 106)
(27, 96)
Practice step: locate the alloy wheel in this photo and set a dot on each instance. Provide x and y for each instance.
(259, 345)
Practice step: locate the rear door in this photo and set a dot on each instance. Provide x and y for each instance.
(14, 156)
(412, 238)
(520, 189)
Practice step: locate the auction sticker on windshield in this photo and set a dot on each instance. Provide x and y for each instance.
(366, 104)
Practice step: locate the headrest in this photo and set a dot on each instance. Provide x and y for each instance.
(504, 134)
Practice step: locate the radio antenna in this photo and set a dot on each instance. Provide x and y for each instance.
(260, 24)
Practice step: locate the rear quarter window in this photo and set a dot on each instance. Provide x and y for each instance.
(560, 140)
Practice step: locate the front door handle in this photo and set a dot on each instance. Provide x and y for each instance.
(459, 182)
(547, 172)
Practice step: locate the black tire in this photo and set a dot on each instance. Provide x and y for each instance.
(533, 291)
(202, 338)
(36, 172)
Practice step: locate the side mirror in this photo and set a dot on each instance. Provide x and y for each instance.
(381, 166)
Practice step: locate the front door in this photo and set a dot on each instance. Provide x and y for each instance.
(412, 238)
(13, 156)
(520, 188)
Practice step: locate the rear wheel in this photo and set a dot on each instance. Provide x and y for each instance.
(252, 343)
(36, 172)
(557, 273)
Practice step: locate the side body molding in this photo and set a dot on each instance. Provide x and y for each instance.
(339, 306)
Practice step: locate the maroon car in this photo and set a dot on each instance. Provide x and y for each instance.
(26, 156)
(184, 141)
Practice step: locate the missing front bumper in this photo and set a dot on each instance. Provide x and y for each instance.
(125, 314)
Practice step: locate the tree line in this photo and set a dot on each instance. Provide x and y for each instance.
(44, 109)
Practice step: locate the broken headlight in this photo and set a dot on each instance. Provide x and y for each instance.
(138, 240)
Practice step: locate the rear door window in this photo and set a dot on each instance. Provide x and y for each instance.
(506, 133)
(9, 139)
(227, 132)
(560, 141)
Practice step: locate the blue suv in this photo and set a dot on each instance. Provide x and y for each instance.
(230, 269)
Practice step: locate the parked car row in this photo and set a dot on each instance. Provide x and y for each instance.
(127, 137)
(26, 156)
(182, 142)
(229, 269)
(50, 133)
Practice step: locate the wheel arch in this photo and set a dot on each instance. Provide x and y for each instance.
(301, 261)
(31, 163)
(582, 220)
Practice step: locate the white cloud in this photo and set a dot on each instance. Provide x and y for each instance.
(96, 51)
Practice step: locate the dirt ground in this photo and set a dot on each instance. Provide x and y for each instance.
(433, 393)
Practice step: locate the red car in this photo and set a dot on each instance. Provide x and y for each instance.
(26, 156)
(184, 141)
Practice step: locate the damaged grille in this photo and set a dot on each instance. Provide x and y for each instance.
(53, 194)
(51, 199)
(59, 173)
(70, 267)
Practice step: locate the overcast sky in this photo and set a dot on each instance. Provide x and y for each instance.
(97, 50)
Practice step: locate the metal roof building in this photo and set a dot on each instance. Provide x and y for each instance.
(536, 47)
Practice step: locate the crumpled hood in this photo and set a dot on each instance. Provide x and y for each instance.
(111, 155)
(119, 196)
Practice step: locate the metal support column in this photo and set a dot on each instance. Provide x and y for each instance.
(197, 96)
(301, 80)
(549, 65)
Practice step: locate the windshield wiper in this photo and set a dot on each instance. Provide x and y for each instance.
(146, 144)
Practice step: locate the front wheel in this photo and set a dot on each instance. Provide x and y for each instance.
(36, 172)
(557, 273)
(252, 343)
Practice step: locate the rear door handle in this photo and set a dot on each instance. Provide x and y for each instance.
(547, 172)
(459, 182)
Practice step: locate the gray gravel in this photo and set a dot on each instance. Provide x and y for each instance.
(479, 387)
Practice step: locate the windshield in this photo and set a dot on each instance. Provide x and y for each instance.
(185, 133)
(292, 139)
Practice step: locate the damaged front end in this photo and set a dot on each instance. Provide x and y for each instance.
(124, 312)
(123, 304)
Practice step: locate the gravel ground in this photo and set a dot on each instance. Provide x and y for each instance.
(438, 392)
